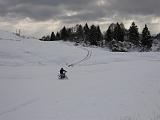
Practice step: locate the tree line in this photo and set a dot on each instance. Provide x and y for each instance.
(116, 37)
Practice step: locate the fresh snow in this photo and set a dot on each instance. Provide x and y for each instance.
(102, 85)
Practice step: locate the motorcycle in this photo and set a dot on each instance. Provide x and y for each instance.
(62, 76)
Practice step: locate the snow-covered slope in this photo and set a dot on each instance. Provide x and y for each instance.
(4, 35)
(102, 85)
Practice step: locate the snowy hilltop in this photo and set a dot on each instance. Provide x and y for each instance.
(101, 85)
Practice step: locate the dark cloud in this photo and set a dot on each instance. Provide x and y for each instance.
(142, 7)
(48, 9)
(78, 11)
(41, 9)
(45, 2)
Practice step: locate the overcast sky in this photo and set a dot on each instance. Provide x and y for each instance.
(40, 17)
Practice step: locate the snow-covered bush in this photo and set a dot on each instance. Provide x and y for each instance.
(156, 45)
(118, 46)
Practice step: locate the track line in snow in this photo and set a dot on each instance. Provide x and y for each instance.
(88, 56)
(18, 107)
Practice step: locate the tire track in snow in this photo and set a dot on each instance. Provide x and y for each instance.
(88, 56)
(18, 107)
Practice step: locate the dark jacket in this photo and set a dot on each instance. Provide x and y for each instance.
(62, 71)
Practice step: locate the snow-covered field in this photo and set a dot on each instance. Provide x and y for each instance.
(102, 85)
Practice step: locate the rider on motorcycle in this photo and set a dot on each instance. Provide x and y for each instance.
(62, 73)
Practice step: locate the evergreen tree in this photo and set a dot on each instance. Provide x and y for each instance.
(146, 41)
(108, 36)
(53, 37)
(69, 34)
(99, 36)
(93, 37)
(58, 36)
(64, 34)
(134, 34)
(86, 33)
(119, 33)
(79, 33)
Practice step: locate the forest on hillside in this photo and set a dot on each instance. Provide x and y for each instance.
(117, 38)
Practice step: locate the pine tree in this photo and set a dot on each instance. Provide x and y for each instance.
(86, 33)
(93, 37)
(108, 36)
(146, 38)
(64, 34)
(119, 33)
(69, 34)
(134, 34)
(58, 36)
(79, 33)
(99, 36)
(53, 37)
